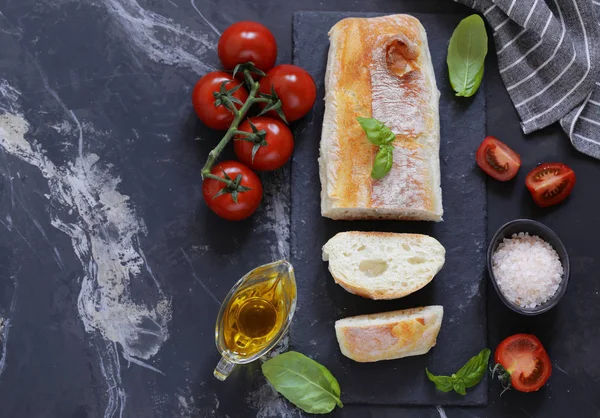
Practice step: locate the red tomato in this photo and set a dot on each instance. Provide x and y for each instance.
(497, 159)
(215, 117)
(526, 360)
(277, 151)
(294, 86)
(224, 204)
(550, 183)
(247, 41)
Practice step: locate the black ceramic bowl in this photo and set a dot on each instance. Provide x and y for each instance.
(545, 233)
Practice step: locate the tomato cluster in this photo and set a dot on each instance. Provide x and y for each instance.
(284, 93)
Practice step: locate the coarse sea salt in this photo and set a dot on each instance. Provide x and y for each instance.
(527, 269)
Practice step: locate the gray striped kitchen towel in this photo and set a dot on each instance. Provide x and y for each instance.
(549, 58)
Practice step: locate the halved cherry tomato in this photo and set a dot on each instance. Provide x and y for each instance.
(294, 86)
(233, 204)
(550, 183)
(272, 151)
(497, 159)
(216, 117)
(247, 41)
(524, 358)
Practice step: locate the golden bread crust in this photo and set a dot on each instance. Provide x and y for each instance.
(391, 338)
(380, 67)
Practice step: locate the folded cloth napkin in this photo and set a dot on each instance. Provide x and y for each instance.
(549, 58)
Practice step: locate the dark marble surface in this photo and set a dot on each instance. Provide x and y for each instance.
(100, 207)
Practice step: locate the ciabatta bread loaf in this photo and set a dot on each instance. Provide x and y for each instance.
(381, 68)
(389, 335)
(383, 265)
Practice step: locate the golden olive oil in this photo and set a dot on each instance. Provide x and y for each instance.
(255, 315)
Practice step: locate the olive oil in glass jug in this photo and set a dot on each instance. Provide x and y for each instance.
(255, 315)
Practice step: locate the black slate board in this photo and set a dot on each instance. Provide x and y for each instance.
(459, 287)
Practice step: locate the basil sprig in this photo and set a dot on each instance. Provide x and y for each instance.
(304, 382)
(466, 55)
(382, 136)
(467, 376)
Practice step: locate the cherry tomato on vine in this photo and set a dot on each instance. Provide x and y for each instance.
(525, 363)
(233, 203)
(550, 183)
(216, 117)
(497, 159)
(272, 151)
(247, 41)
(294, 86)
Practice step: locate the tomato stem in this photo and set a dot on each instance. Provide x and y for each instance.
(233, 130)
(209, 175)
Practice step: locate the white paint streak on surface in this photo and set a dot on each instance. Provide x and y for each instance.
(163, 136)
(200, 248)
(10, 180)
(561, 369)
(5, 324)
(110, 369)
(159, 38)
(441, 411)
(195, 276)
(86, 205)
(10, 96)
(274, 210)
(38, 226)
(63, 127)
(214, 29)
(8, 223)
(62, 104)
(146, 262)
(205, 404)
(269, 404)
(280, 348)
(187, 408)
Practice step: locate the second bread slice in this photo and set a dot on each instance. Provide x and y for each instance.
(383, 265)
(389, 335)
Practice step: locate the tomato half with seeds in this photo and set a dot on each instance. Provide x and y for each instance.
(268, 151)
(497, 159)
(235, 201)
(203, 99)
(550, 183)
(525, 362)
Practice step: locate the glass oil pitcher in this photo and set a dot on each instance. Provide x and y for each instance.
(255, 315)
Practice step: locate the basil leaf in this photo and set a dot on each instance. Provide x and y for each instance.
(304, 382)
(443, 383)
(377, 132)
(458, 385)
(467, 376)
(382, 136)
(384, 160)
(472, 372)
(466, 55)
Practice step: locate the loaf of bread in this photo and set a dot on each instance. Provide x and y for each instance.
(381, 68)
(389, 335)
(383, 265)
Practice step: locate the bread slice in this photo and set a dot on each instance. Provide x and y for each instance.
(383, 265)
(389, 335)
(380, 67)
